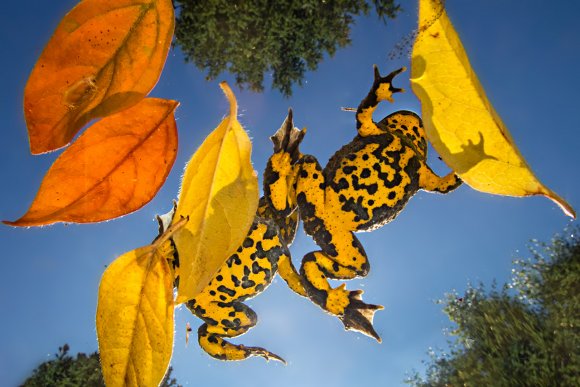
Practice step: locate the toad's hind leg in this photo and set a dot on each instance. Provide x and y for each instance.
(240, 319)
(318, 267)
(342, 256)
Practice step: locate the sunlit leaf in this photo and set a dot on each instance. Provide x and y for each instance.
(135, 318)
(219, 194)
(105, 56)
(114, 168)
(459, 120)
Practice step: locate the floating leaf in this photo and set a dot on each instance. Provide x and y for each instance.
(105, 56)
(114, 168)
(135, 317)
(459, 120)
(219, 194)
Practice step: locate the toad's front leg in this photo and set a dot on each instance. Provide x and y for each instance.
(430, 181)
(381, 90)
(279, 176)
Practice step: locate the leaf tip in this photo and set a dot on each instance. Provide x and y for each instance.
(25, 222)
(231, 98)
(567, 208)
(564, 206)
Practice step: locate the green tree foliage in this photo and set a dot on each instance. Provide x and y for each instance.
(251, 38)
(526, 334)
(82, 370)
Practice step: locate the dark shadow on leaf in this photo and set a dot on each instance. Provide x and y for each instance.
(472, 153)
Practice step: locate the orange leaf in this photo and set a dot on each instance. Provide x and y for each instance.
(105, 56)
(114, 168)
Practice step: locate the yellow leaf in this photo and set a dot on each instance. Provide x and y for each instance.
(135, 317)
(105, 56)
(459, 120)
(219, 195)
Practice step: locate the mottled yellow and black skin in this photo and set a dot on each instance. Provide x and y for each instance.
(245, 274)
(364, 185)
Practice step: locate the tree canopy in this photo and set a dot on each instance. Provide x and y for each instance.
(525, 334)
(82, 370)
(252, 38)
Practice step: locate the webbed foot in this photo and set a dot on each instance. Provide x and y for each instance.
(358, 316)
(383, 86)
(349, 308)
(258, 351)
(288, 138)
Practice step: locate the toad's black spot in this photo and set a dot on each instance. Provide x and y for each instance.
(342, 198)
(235, 280)
(240, 249)
(416, 131)
(303, 173)
(248, 242)
(233, 260)
(392, 195)
(315, 226)
(349, 169)
(342, 184)
(365, 173)
(223, 298)
(229, 292)
(232, 314)
(260, 253)
(267, 274)
(231, 324)
(212, 339)
(270, 177)
(197, 310)
(315, 175)
(351, 156)
(365, 157)
(246, 271)
(364, 269)
(212, 292)
(356, 207)
(248, 283)
(371, 202)
(256, 268)
(383, 176)
(271, 231)
(219, 278)
(371, 188)
(335, 266)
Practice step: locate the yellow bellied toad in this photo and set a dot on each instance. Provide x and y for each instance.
(364, 185)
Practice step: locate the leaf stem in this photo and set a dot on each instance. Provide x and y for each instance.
(171, 230)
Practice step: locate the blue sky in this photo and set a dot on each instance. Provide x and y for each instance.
(526, 55)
